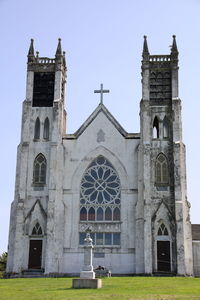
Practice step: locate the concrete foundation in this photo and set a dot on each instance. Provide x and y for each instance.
(86, 283)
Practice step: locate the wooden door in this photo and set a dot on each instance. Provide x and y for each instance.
(163, 256)
(35, 254)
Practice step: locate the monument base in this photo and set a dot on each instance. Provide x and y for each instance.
(82, 283)
(87, 274)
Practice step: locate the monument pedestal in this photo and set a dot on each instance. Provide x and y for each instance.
(84, 283)
(87, 276)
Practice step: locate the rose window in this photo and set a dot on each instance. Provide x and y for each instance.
(100, 192)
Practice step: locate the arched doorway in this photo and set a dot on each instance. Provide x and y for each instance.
(163, 250)
(35, 248)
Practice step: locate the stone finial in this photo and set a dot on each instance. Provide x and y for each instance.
(31, 54)
(64, 59)
(145, 51)
(174, 49)
(59, 49)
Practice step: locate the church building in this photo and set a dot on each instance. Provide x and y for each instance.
(129, 189)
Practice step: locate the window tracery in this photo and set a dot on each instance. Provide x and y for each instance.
(100, 194)
(161, 171)
(37, 229)
(39, 169)
(162, 230)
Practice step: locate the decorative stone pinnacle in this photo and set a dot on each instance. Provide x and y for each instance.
(145, 47)
(174, 49)
(59, 48)
(31, 54)
(31, 48)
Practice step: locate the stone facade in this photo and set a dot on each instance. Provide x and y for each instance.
(129, 188)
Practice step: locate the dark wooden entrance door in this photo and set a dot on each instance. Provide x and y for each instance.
(163, 256)
(35, 254)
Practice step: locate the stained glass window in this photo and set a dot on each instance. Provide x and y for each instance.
(102, 238)
(100, 194)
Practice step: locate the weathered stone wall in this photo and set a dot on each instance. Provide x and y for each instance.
(196, 257)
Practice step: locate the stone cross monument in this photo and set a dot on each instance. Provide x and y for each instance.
(87, 271)
(87, 276)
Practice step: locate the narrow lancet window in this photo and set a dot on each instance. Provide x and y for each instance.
(165, 127)
(156, 128)
(37, 129)
(116, 214)
(83, 214)
(108, 214)
(39, 169)
(162, 171)
(91, 214)
(46, 129)
(99, 214)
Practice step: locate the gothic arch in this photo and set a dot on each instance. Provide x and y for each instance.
(46, 129)
(100, 189)
(165, 127)
(161, 170)
(112, 158)
(163, 218)
(36, 229)
(39, 169)
(37, 129)
(155, 130)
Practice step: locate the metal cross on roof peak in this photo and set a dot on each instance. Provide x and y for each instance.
(101, 91)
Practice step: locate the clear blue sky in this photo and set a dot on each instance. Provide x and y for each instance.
(103, 43)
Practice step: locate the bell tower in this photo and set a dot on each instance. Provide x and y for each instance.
(38, 178)
(163, 219)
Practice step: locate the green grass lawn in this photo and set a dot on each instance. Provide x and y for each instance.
(114, 288)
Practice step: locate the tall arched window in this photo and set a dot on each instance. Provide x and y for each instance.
(100, 194)
(46, 129)
(39, 169)
(161, 170)
(37, 229)
(165, 127)
(37, 129)
(156, 128)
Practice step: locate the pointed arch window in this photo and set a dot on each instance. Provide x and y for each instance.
(83, 214)
(46, 129)
(37, 229)
(37, 129)
(100, 194)
(165, 127)
(162, 230)
(39, 169)
(156, 128)
(116, 214)
(108, 214)
(100, 214)
(161, 170)
(91, 214)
